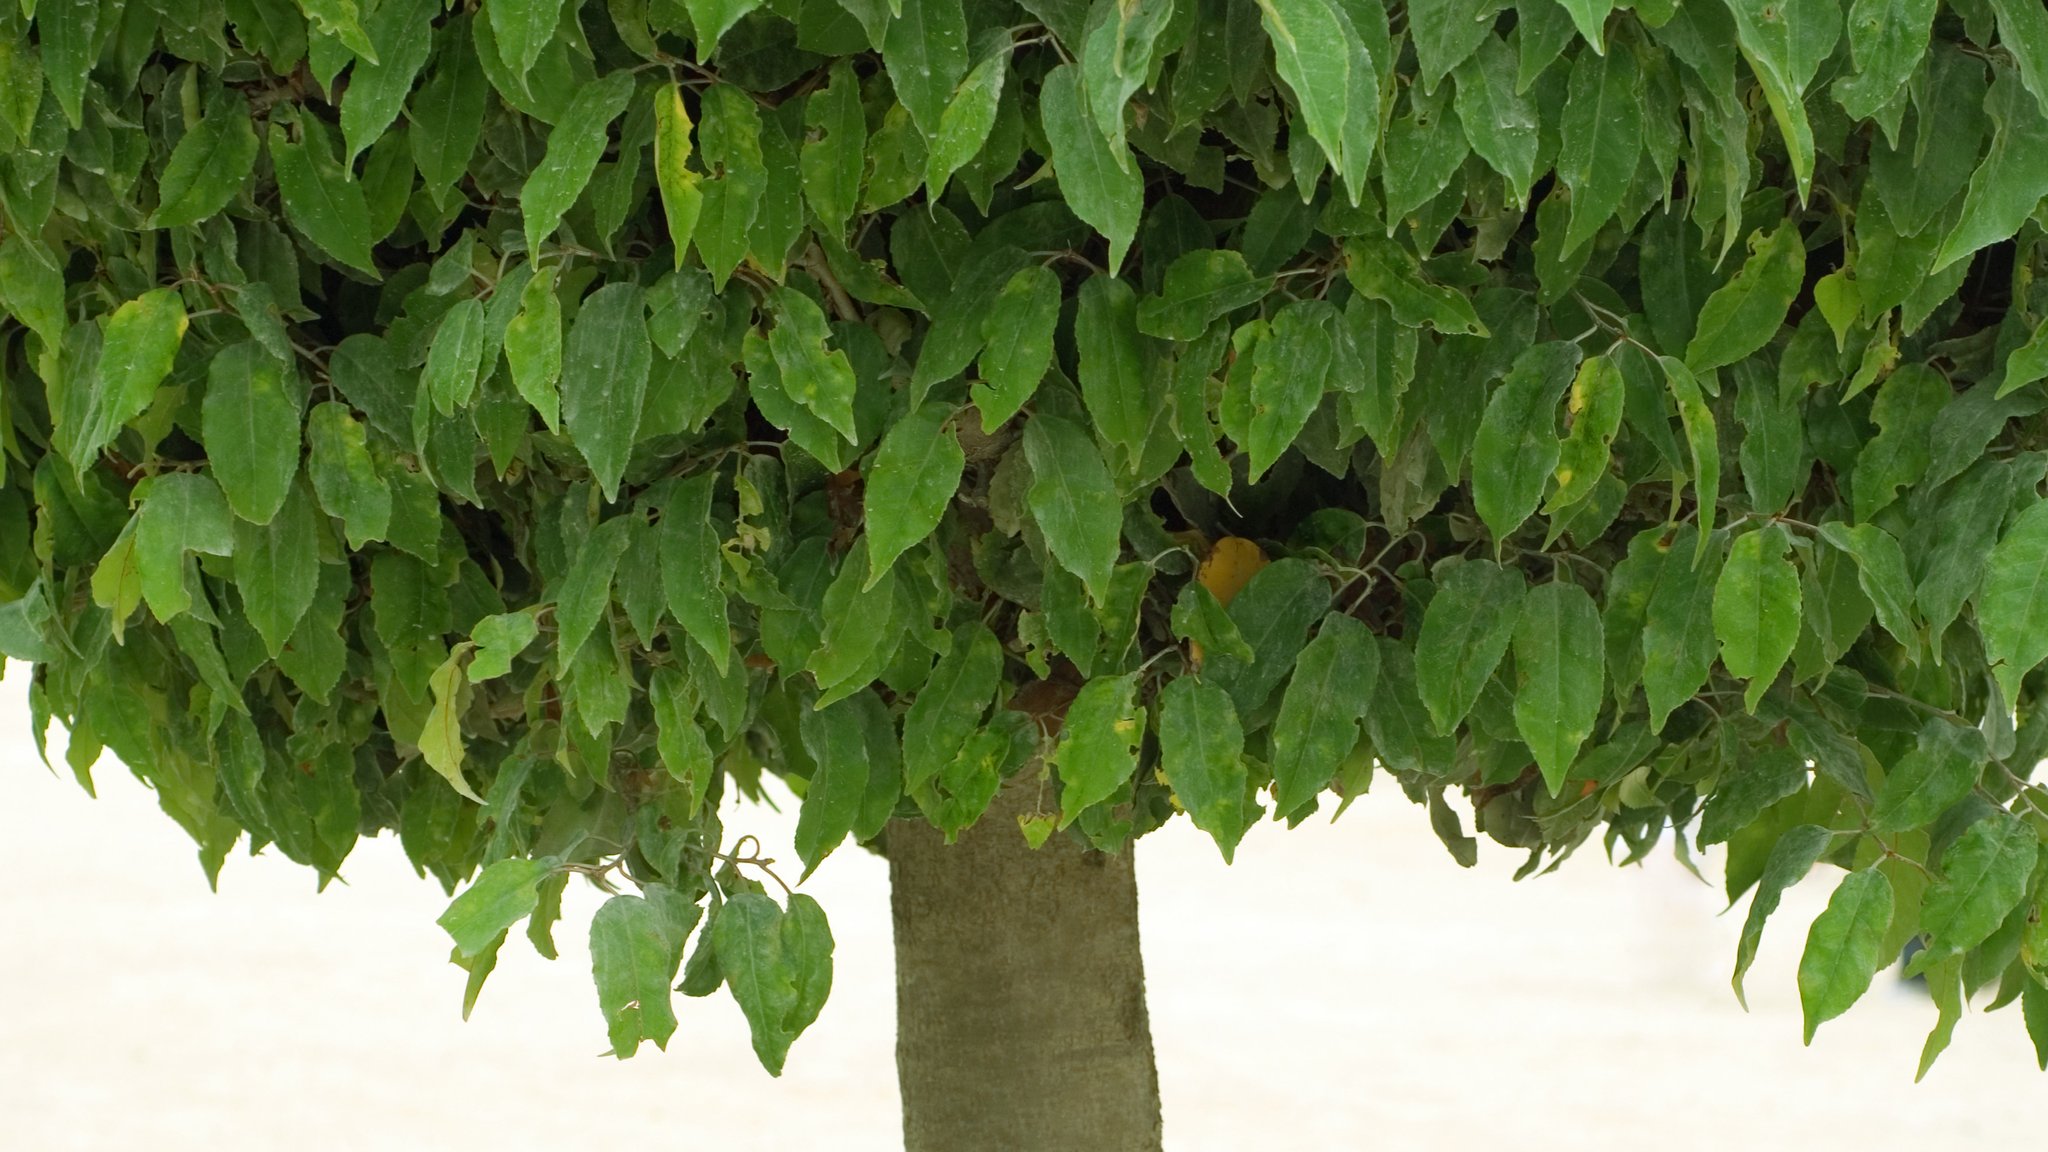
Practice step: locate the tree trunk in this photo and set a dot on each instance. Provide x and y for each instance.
(1020, 993)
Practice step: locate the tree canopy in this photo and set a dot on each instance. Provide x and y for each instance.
(519, 425)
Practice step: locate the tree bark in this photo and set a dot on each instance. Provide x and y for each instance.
(1020, 993)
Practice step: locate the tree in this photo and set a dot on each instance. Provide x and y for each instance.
(517, 427)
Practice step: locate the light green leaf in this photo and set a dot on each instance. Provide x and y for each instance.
(502, 895)
(1018, 329)
(1559, 649)
(1102, 187)
(183, 513)
(1702, 440)
(2012, 604)
(440, 741)
(533, 347)
(210, 164)
(2011, 181)
(1745, 313)
(1073, 500)
(574, 145)
(498, 639)
(1516, 449)
(910, 483)
(1594, 410)
(250, 418)
(819, 378)
(1794, 855)
(142, 339)
(1098, 748)
(1756, 609)
(1465, 632)
(1842, 947)
(682, 198)
(604, 379)
(1317, 727)
(711, 19)
(1600, 140)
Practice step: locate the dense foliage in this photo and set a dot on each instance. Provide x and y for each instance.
(519, 425)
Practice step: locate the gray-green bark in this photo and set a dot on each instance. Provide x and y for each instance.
(1020, 993)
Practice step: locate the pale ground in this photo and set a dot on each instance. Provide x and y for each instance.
(1341, 987)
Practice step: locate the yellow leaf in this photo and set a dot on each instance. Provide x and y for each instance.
(1231, 565)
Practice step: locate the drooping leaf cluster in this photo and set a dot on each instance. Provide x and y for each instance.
(518, 424)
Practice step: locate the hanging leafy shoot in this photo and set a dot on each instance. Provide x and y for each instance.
(519, 426)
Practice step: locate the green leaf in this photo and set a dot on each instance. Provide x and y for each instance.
(584, 595)
(456, 355)
(634, 954)
(1018, 329)
(1881, 570)
(604, 379)
(1100, 183)
(71, 38)
(1842, 948)
(2013, 177)
(1383, 270)
(1590, 18)
(682, 197)
(691, 567)
(1314, 48)
(1501, 122)
(1098, 748)
(970, 116)
(1446, 32)
(1201, 620)
(1897, 457)
(1201, 756)
(523, 28)
(861, 628)
(910, 483)
(819, 378)
(730, 142)
(2034, 1006)
(1290, 373)
(1773, 453)
(2023, 32)
(1559, 652)
(1116, 57)
(1749, 789)
(533, 347)
(1112, 366)
(251, 418)
(574, 146)
(1465, 632)
(1600, 140)
(1745, 313)
(447, 112)
(1516, 449)
(344, 477)
(1933, 775)
(1785, 42)
(440, 741)
(2012, 606)
(1984, 877)
(210, 164)
(1200, 287)
(1702, 440)
(502, 895)
(747, 936)
(498, 639)
(1317, 727)
(1073, 500)
(277, 567)
(679, 739)
(832, 736)
(1677, 635)
(1594, 408)
(183, 513)
(402, 33)
(1887, 40)
(1756, 609)
(142, 340)
(319, 197)
(1791, 858)
(807, 947)
(711, 19)
(834, 148)
(925, 51)
(950, 706)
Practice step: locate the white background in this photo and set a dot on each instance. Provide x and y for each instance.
(1342, 986)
